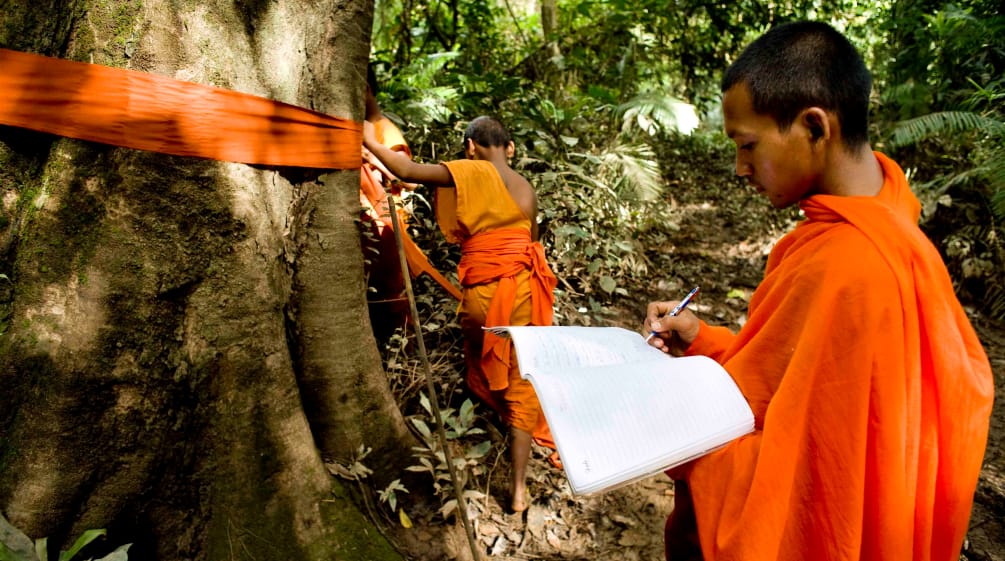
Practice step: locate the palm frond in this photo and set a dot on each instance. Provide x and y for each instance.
(632, 170)
(653, 112)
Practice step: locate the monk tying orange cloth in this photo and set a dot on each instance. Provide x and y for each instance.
(491, 210)
(373, 198)
(818, 450)
(506, 282)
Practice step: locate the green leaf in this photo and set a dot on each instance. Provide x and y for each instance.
(479, 450)
(467, 414)
(422, 427)
(738, 293)
(84, 539)
(608, 284)
(14, 545)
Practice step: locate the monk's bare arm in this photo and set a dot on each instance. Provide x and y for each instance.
(401, 166)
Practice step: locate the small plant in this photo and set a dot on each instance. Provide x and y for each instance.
(467, 464)
(16, 546)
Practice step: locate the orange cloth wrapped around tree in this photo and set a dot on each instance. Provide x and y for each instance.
(865, 451)
(506, 282)
(156, 113)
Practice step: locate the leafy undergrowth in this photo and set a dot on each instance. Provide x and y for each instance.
(714, 232)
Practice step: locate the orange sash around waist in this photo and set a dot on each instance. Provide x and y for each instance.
(499, 255)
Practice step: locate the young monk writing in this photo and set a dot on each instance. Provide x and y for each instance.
(491, 211)
(870, 390)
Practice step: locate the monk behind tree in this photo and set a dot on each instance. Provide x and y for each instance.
(386, 299)
(870, 390)
(491, 210)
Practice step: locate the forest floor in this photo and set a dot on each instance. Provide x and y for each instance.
(723, 238)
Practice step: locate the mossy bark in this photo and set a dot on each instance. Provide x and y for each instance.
(182, 341)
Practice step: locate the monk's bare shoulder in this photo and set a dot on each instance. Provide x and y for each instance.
(521, 191)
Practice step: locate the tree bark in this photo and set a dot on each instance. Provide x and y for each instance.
(549, 26)
(182, 341)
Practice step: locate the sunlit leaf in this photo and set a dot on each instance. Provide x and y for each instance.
(403, 518)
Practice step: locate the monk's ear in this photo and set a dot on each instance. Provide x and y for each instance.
(469, 148)
(817, 124)
(510, 149)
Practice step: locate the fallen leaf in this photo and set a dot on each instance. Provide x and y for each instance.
(535, 521)
(500, 546)
(553, 540)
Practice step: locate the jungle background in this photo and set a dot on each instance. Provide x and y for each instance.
(614, 109)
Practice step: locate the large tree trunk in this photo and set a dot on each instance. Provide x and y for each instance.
(182, 342)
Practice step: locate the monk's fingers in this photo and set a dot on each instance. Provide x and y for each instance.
(660, 341)
(654, 312)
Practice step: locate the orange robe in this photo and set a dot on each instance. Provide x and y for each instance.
(506, 282)
(386, 286)
(870, 390)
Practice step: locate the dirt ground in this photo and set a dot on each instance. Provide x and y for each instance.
(725, 243)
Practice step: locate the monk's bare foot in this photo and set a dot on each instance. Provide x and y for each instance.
(520, 500)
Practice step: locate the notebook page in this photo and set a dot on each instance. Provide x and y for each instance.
(569, 347)
(615, 423)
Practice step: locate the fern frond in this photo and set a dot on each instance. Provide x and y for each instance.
(994, 298)
(423, 70)
(915, 130)
(998, 204)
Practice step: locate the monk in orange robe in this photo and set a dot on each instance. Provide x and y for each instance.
(388, 304)
(870, 390)
(489, 209)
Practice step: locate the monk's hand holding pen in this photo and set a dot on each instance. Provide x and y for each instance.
(671, 327)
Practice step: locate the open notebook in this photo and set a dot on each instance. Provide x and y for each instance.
(620, 410)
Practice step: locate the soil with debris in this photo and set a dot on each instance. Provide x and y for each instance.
(723, 239)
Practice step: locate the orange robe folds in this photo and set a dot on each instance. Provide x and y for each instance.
(870, 390)
(506, 282)
(384, 269)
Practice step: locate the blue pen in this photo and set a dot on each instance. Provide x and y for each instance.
(678, 308)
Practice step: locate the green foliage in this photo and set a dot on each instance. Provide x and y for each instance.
(389, 494)
(467, 453)
(952, 90)
(935, 52)
(16, 546)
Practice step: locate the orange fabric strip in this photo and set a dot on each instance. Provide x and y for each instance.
(149, 112)
(417, 261)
